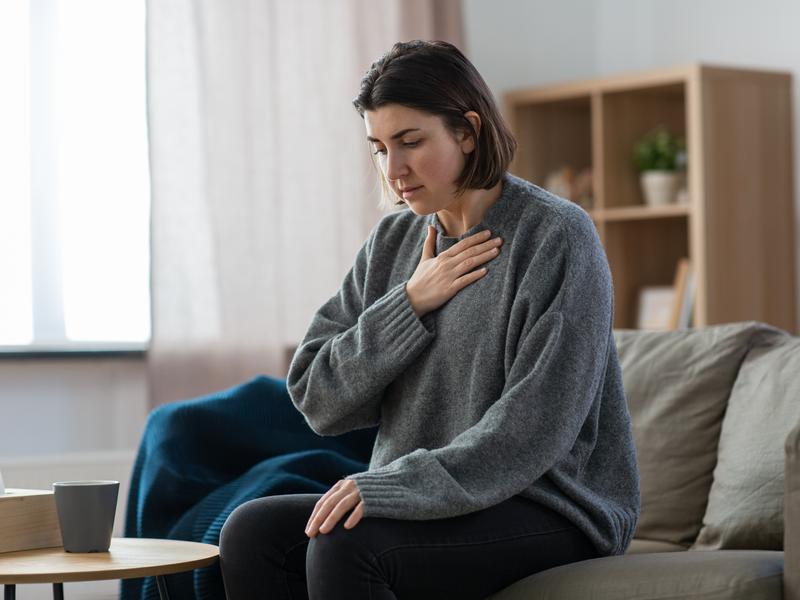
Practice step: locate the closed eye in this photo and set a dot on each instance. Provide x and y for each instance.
(413, 144)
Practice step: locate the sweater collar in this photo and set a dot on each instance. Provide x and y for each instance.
(493, 219)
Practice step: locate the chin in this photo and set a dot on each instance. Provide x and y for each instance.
(417, 208)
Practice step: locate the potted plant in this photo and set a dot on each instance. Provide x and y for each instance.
(661, 159)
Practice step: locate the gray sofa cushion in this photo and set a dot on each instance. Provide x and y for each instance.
(706, 575)
(677, 386)
(745, 504)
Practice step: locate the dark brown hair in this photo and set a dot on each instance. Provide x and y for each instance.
(435, 77)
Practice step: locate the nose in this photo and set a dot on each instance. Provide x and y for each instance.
(396, 166)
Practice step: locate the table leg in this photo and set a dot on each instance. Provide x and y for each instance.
(58, 591)
(9, 591)
(162, 587)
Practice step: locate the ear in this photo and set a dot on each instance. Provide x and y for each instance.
(468, 141)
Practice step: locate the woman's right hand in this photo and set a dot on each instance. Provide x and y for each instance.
(439, 278)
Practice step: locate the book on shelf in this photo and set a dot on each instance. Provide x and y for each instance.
(683, 301)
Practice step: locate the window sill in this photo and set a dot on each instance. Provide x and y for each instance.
(75, 350)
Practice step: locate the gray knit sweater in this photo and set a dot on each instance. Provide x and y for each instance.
(511, 387)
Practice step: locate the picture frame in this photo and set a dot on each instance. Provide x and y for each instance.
(655, 307)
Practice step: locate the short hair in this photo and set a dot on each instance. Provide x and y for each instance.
(436, 78)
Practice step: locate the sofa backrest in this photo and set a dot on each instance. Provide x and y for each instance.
(677, 384)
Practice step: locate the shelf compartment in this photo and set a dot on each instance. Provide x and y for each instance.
(627, 117)
(551, 135)
(642, 253)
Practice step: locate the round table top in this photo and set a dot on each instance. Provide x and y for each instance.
(127, 557)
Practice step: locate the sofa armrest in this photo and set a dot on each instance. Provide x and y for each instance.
(791, 518)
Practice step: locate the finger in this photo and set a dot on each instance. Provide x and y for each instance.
(311, 526)
(320, 503)
(355, 516)
(429, 248)
(468, 264)
(313, 514)
(347, 496)
(344, 505)
(481, 248)
(321, 509)
(475, 238)
(465, 280)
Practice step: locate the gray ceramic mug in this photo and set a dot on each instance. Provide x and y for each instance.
(86, 514)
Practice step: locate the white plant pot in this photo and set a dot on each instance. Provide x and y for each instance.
(660, 187)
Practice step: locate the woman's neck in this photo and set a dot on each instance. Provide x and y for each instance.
(468, 210)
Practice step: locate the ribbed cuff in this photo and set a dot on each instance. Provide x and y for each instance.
(381, 496)
(396, 326)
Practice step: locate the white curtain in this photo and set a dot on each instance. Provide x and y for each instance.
(262, 187)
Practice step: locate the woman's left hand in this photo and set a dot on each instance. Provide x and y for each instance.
(343, 496)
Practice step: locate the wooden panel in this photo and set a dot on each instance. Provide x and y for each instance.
(749, 206)
(598, 158)
(630, 213)
(696, 182)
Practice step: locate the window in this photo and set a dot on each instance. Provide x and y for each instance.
(74, 179)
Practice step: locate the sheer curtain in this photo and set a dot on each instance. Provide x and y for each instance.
(262, 187)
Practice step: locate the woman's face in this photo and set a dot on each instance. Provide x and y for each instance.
(420, 158)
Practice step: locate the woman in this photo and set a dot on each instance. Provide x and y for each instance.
(476, 329)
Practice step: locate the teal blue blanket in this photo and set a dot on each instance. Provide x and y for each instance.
(200, 459)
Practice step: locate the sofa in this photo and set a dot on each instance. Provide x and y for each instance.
(715, 415)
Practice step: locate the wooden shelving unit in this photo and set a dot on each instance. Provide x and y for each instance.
(737, 228)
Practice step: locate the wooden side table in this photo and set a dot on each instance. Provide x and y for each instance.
(126, 558)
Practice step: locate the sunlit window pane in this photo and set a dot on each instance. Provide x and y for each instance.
(16, 320)
(102, 169)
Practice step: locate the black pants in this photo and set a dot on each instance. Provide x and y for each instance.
(265, 553)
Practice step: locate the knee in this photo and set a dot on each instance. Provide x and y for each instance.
(339, 551)
(239, 533)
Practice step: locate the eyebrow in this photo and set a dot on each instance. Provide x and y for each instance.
(399, 134)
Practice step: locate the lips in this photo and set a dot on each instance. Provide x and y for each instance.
(409, 191)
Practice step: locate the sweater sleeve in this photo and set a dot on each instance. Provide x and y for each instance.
(352, 352)
(554, 378)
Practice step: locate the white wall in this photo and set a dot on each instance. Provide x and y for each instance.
(66, 405)
(520, 43)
